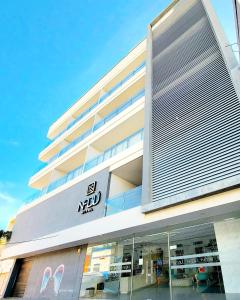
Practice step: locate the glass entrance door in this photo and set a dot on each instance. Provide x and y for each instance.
(195, 266)
(179, 265)
(150, 278)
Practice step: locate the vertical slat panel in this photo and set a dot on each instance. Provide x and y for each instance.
(195, 127)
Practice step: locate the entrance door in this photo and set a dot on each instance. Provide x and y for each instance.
(151, 268)
(195, 266)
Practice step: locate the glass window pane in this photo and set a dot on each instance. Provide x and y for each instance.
(107, 154)
(132, 198)
(151, 268)
(195, 265)
(115, 205)
(107, 271)
(134, 139)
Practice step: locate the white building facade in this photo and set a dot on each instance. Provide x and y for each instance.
(139, 197)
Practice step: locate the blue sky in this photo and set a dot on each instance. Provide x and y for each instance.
(51, 53)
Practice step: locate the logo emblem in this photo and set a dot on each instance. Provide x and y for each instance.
(93, 199)
(91, 188)
(57, 277)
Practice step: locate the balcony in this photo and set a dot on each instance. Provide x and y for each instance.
(125, 124)
(101, 99)
(124, 201)
(107, 154)
(99, 124)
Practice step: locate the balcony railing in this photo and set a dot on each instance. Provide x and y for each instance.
(99, 124)
(107, 154)
(102, 98)
(124, 201)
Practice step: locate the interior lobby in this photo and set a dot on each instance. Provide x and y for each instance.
(179, 264)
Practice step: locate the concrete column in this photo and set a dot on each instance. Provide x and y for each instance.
(228, 240)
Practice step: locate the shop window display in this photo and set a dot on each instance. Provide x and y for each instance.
(195, 265)
(107, 271)
(182, 264)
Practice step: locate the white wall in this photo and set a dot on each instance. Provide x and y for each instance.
(56, 174)
(6, 267)
(228, 240)
(119, 185)
(91, 153)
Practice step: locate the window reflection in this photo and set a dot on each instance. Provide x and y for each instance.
(151, 268)
(195, 264)
(182, 264)
(107, 271)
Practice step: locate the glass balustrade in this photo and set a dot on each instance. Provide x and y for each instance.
(99, 124)
(102, 98)
(117, 111)
(107, 154)
(123, 201)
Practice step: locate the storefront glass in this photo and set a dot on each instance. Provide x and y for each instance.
(178, 265)
(151, 268)
(107, 271)
(195, 266)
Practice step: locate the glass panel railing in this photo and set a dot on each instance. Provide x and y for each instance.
(99, 124)
(102, 98)
(75, 142)
(117, 111)
(120, 83)
(53, 158)
(124, 201)
(107, 154)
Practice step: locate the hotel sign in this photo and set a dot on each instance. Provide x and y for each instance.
(92, 200)
(81, 203)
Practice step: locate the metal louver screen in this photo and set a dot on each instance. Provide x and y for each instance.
(195, 143)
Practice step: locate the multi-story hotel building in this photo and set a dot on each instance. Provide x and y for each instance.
(140, 198)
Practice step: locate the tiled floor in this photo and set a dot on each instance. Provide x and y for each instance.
(159, 293)
(188, 293)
